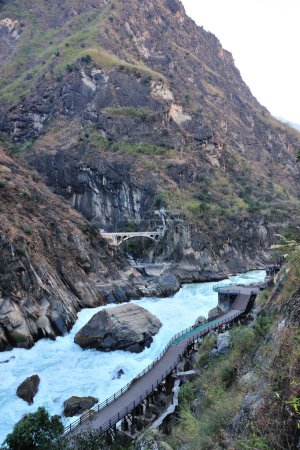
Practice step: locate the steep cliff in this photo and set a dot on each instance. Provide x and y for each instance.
(246, 394)
(139, 117)
(128, 106)
(52, 263)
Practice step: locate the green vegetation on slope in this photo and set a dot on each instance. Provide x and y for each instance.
(262, 363)
(129, 111)
(98, 143)
(51, 51)
(220, 399)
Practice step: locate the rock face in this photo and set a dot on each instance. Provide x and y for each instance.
(76, 405)
(118, 373)
(9, 35)
(128, 131)
(151, 440)
(223, 344)
(128, 327)
(51, 261)
(168, 284)
(29, 388)
(184, 108)
(214, 313)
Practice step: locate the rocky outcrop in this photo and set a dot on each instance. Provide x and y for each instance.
(200, 320)
(129, 132)
(222, 344)
(77, 405)
(151, 440)
(127, 327)
(118, 373)
(180, 130)
(10, 31)
(214, 313)
(52, 262)
(168, 284)
(103, 191)
(29, 388)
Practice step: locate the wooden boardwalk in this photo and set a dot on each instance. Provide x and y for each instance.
(106, 415)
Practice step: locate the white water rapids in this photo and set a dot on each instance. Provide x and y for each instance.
(65, 369)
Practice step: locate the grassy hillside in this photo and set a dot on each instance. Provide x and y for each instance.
(141, 86)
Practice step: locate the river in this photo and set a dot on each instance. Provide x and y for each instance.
(65, 369)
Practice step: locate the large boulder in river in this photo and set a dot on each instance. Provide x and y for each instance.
(29, 388)
(168, 284)
(127, 327)
(76, 405)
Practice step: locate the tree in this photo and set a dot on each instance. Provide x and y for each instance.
(35, 431)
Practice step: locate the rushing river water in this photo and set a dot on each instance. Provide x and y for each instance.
(66, 370)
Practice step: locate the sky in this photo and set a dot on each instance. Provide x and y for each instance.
(264, 38)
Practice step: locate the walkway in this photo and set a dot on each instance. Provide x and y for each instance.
(106, 415)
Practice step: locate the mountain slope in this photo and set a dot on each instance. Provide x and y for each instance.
(52, 263)
(128, 107)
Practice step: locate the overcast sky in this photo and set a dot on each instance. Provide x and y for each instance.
(264, 38)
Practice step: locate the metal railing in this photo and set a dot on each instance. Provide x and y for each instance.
(90, 415)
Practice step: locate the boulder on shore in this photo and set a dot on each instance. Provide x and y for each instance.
(214, 313)
(77, 405)
(200, 321)
(223, 344)
(127, 327)
(29, 388)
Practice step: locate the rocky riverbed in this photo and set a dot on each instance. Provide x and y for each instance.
(93, 372)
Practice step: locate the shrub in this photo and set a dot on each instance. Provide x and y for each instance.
(228, 375)
(3, 184)
(186, 394)
(193, 206)
(146, 79)
(130, 226)
(21, 250)
(138, 148)
(159, 200)
(204, 352)
(24, 193)
(69, 68)
(20, 148)
(35, 431)
(86, 59)
(203, 207)
(27, 229)
(253, 442)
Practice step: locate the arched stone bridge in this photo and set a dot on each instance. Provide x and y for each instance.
(116, 239)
